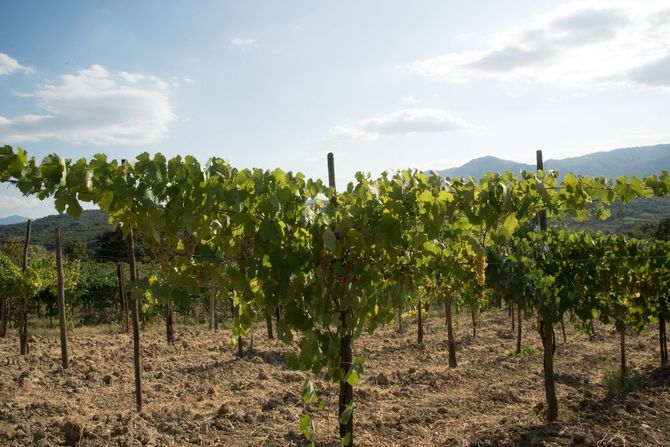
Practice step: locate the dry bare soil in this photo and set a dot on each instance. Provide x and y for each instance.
(198, 393)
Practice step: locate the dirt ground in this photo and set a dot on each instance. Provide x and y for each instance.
(198, 393)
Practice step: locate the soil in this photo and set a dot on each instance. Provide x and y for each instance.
(198, 393)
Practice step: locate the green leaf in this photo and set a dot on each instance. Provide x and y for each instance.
(571, 180)
(346, 414)
(296, 317)
(268, 231)
(542, 190)
(307, 427)
(426, 196)
(308, 392)
(355, 371)
(74, 209)
(509, 225)
(603, 213)
(329, 240)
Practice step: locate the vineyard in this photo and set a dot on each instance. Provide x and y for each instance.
(302, 277)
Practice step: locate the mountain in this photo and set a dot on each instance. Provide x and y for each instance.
(638, 161)
(13, 219)
(91, 224)
(637, 217)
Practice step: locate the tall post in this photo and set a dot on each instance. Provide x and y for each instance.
(543, 213)
(346, 390)
(169, 323)
(61, 301)
(240, 346)
(268, 325)
(212, 305)
(137, 355)
(419, 334)
(451, 344)
(518, 330)
(547, 332)
(662, 338)
(3, 318)
(23, 317)
(622, 334)
(125, 324)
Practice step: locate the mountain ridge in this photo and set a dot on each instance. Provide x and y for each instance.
(639, 161)
(13, 219)
(87, 228)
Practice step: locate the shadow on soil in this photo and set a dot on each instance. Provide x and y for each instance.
(587, 411)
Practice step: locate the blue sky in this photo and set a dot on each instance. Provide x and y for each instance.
(382, 84)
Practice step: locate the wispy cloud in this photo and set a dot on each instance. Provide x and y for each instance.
(402, 122)
(587, 42)
(97, 107)
(26, 206)
(9, 65)
(654, 73)
(243, 42)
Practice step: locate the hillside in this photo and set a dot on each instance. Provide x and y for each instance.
(91, 224)
(638, 161)
(630, 217)
(13, 219)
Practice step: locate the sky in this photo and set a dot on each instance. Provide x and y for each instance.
(383, 84)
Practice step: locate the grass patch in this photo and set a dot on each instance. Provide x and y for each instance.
(530, 418)
(568, 415)
(616, 384)
(526, 350)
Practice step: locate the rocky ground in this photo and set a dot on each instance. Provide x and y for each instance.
(198, 393)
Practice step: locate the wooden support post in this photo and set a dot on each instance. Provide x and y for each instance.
(4, 317)
(137, 353)
(169, 323)
(662, 338)
(61, 301)
(212, 304)
(451, 343)
(419, 322)
(346, 390)
(518, 330)
(24, 347)
(622, 334)
(547, 333)
(125, 322)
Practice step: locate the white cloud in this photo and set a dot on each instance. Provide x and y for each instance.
(132, 77)
(243, 42)
(410, 100)
(654, 73)
(97, 107)
(9, 66)
(30, 207)
(16, 204)
(582, 43)
(402, 122)
(634, 140)
(352, 133)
